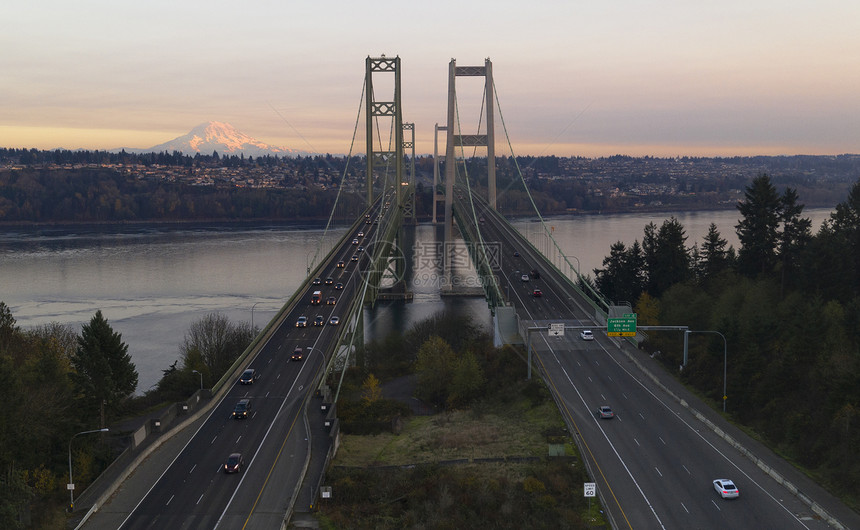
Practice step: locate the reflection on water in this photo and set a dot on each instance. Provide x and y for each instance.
(151, 282)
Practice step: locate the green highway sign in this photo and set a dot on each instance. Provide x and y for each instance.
(623, 326)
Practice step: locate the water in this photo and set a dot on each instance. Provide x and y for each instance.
(152, 282)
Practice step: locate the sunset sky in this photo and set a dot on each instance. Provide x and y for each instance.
(573, 78)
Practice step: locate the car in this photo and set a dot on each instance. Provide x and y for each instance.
(242, 409)
(317, 281)
(524, 277)
(537, 293)
(331, 300)
(726, 488)
(341, 264)
(586, 334)
(360, 249)
(354, 257)
(605, 412)
(298, 354)
(334, 321)
(355, 241)
(360, 234)
(302, 322)
(338, 286)
(329, 280)
(319, 320)
(535, 274)
(248, 377)
(516, 254)
(235, 463)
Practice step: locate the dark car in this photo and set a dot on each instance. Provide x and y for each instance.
(516, 254)
(338, 286)
(248, 377)
(331, 300)
(317, 281)
(354, 257)
(242, 409)
(319, 320)
(341, 264)
(535, 274)
(234, 463)
(298, 354)
(329, 281)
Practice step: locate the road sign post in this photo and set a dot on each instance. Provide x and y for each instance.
(623, 326)
(556, 329)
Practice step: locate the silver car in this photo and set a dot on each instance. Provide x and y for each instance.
(726, 488)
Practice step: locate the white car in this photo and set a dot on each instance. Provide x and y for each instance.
(726, 488)
(524, 277)
(586, 334)
(605, 412)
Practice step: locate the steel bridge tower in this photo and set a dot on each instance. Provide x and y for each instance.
(391, 109)
(455, 140)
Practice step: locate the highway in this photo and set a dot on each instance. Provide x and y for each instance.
(653, 463)
(194, 492)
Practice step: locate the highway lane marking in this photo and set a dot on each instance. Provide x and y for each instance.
(192, 469)
(213, 439)
(661, 439)
(685, 508)
(658, 471)
(641, 416)
(170, 499)
(700, 435)
(201, 498)
(637, 442)
(715, 504)
(687, 470)
(280, 450)
(588, 448)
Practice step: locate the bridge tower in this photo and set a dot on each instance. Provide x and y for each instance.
(383, 158)
(457, 140)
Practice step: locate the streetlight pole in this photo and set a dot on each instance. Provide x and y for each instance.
(71, 484)
(201, 377)
(725, 359)
(252, 315)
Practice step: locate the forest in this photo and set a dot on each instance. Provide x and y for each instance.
(788, 304)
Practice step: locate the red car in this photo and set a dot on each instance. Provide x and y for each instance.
(537, 293)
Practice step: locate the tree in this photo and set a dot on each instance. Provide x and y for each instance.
(216, 342)
(434, 368)
(757, 231)
(371, 390)
(103, 371)
(666, 257)
(713, 256)
(795, 234)
(467, 381)
(623, 275)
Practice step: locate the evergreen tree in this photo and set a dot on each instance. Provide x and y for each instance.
(103, 371)
(794, 237)
(713, 256)
(667, 259)
(757, 231)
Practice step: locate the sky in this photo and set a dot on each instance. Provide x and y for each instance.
(572, 78)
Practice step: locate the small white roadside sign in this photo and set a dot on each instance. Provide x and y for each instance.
(590, 489)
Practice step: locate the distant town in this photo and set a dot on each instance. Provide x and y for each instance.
(557, 184)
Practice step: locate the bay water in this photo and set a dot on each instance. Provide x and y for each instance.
(152, 282)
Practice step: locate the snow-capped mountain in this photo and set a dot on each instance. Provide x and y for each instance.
(220, 137)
